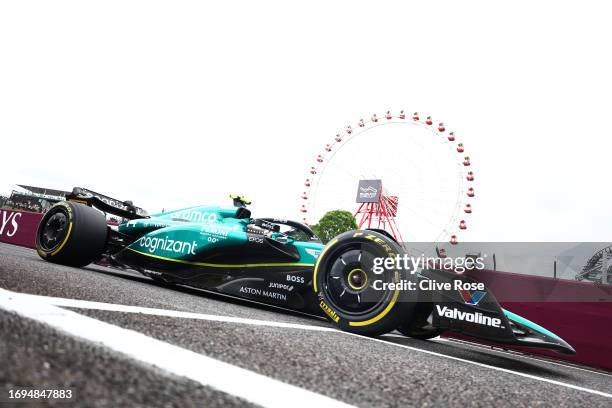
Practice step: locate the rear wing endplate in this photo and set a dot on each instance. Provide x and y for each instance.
(124, 209)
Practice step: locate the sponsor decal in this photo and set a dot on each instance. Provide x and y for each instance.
(295, 278)
(379, 241)
(216, 232)
(472, 298)
(314, 252)
(258, 239)
(219, 229)
(328, 311)
(149, 224)
(250, 291)
(284, 286)
(267, 225)
(252, 230)
(195, 216)
(153, 244)
(274, 295)
(146, 224)
(477, 317)
(265, 293)
(9, 225)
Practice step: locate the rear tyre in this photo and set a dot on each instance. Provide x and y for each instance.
(71, 234)
(344, 282)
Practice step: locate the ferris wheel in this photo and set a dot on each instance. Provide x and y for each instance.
(402, 173)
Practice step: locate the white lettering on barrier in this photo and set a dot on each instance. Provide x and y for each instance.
(9, 217)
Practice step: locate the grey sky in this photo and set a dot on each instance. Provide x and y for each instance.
(172, 104)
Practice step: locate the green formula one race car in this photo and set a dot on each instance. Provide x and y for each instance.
(280, 263)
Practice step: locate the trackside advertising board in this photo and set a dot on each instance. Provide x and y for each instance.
(18, 227)
(578, 320)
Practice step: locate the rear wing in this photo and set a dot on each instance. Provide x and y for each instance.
(124, 209)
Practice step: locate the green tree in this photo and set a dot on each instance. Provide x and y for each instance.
(334, 223)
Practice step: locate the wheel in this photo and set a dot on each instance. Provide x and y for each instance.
(344, 281)
(425, 332)
(71, 234)
(428, 198)
(420, 326)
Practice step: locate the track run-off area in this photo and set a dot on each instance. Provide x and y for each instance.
(117, 338)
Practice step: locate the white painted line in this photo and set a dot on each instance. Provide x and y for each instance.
(401, 336)
(497, 349)
(225, 377)
(86, 304)
(504, 370)
(161, 312)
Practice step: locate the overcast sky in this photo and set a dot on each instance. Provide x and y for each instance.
(177, 103)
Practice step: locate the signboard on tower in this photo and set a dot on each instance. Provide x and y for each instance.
(369, 191)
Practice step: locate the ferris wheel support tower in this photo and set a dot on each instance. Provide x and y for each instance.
(376, 208)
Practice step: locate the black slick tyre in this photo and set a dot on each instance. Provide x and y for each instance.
(71, 234)
(347, 288)
(420, 327)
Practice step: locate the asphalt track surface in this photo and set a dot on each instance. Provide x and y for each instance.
(279, 349)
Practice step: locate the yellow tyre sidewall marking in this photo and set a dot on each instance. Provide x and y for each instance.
(314, 274)
(65, 240)
(381, 315)
(387, 309)
(393, 299)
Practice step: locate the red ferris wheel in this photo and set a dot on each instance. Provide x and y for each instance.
(413, 178)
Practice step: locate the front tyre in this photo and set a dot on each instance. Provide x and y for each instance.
(351, 294)
(421, 325)
(71, 234)
(424, 332)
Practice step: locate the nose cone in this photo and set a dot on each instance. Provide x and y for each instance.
(537, 336)
(565, 348)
